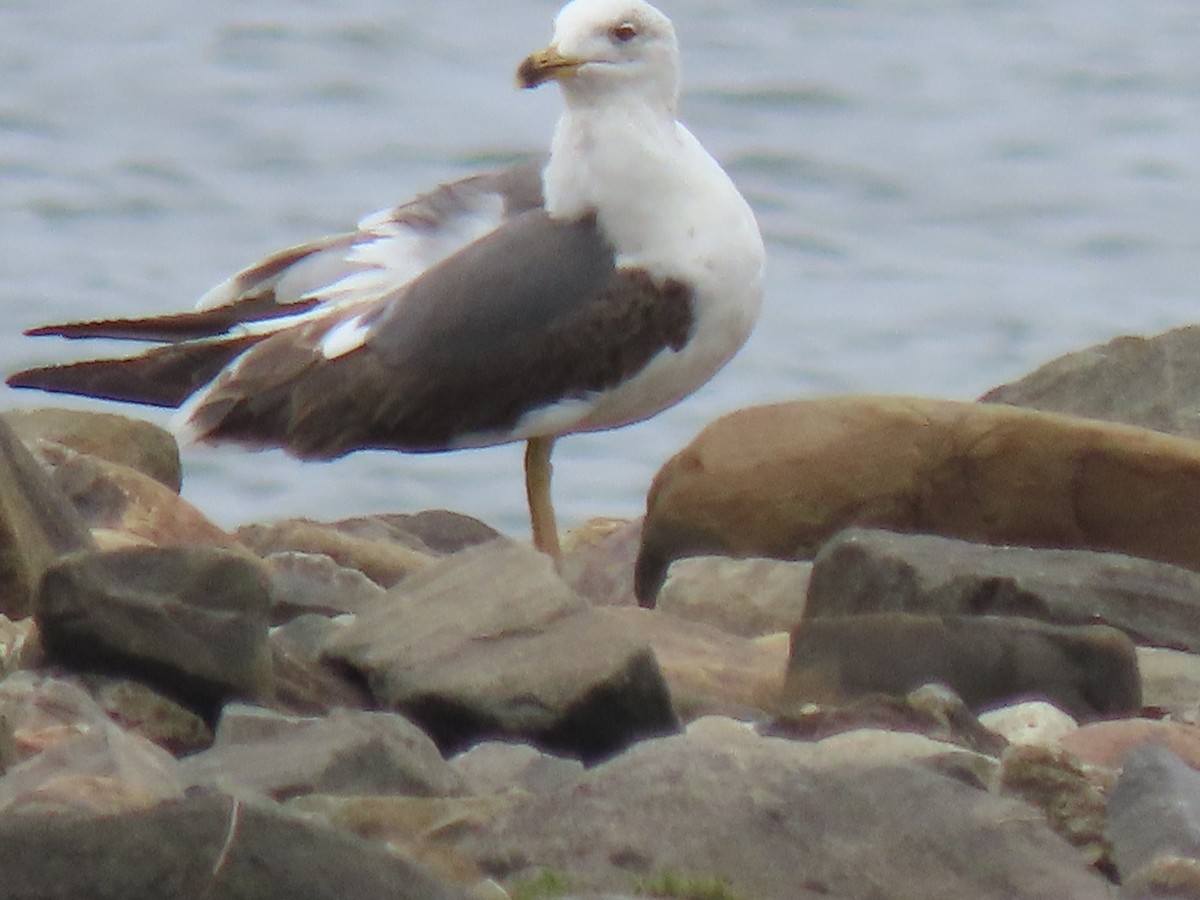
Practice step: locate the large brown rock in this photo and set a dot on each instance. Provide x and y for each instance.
(490, 642)
(135, 443)
(1149, 381)
(780, 480)
(37, 525)
(121, 499)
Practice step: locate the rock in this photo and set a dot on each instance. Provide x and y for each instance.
(597, 560)
(490, 643)
(301, 682)
(71, 757)
(867, 570)
(1106, 744)
(750, 597)
(1154, 810)
(381, 559)
(192, 621)
(780, 480)
(1053, 781)
(775, 819)
(211, 846)
(37, 526)
(1088, 671)
(1153, 382)
(313, 583)
(708, 671)
(932, 710)
(120, 499)
(1171, 683)
(416, 828)
(434, 531)
(495, 767)
(345, 752)
(1034, 722)
(1167, 878)
(134, 443)
(140, 709)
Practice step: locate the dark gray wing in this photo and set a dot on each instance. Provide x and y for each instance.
(534, 313)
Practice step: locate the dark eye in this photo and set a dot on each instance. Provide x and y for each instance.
(624, 33)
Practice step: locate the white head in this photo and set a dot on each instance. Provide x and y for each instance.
(602, 48)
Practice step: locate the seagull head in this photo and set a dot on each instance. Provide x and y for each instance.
(603, 48)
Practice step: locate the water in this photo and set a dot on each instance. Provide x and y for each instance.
(952, 191)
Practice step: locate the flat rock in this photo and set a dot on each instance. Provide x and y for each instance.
(868, 570)
(138, 708)
(1153, 382)
(1033, 722)
(37, 525)
(304, 583)
(121, 499)
(708, 671)
(435, 531)
(1154, 810)
(780, 480)
(749, 597)
(378, 556)
(1107, 744)
(491, 643)
(67, 755)
(1171, 682)
(775, 819)
(495, 767)
(345, 752)
(1088, 671)
(192, 621)
(211, 846)
(597, 560)
(134, 443)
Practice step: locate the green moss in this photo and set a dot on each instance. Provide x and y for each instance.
(546, 883)
(680, 887)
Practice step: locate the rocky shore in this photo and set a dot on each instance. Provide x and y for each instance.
(859, 647)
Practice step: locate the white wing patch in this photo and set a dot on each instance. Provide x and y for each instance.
(344, 337)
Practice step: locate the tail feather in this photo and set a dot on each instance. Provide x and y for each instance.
(181, 326)
(164, 376)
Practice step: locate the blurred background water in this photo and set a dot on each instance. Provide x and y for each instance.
(952, 191)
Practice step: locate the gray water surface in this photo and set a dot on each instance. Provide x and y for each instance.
(952, 191)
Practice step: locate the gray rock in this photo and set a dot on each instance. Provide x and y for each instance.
(437, 530)
(346, 752)
(381, 558)
(207, 846)
(868, 570)
(1085, 670)
(73, 757)
(1153, 382)
(774, 819)
(1171, 682)
(313, 583)
(490, 643)
(135, 443)
(302, 682)
(1154, 810)
(37, 525)
(496, 766)
(190, 620)
(750, 597)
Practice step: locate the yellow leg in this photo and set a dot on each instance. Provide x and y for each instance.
(537, 491)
